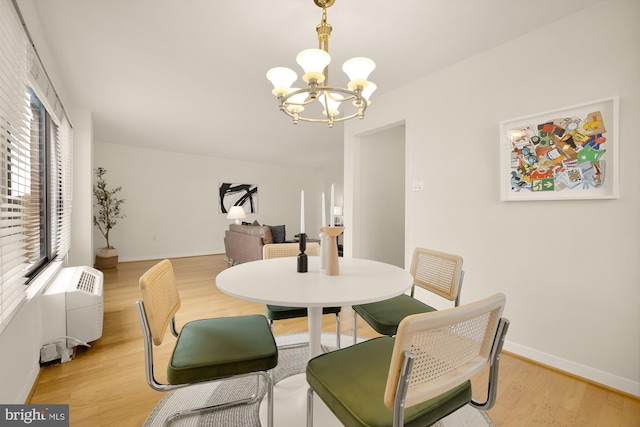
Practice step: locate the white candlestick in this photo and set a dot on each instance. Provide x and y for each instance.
(324, 213)
(302, 212)
(332, 223)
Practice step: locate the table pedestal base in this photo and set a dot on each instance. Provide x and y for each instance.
(290, 405)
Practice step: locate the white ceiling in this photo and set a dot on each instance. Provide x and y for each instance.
(189, 75)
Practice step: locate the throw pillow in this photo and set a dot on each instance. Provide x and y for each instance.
(278, 233)
(255, 222)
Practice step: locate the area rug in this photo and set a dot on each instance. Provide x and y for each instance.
(291, 361)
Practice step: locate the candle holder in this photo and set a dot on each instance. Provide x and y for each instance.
(302, 257)
(333, 268)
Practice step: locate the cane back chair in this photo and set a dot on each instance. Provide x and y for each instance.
(206, 349)
(417, 378)
(435, 271)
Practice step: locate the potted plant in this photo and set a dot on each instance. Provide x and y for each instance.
(107, 217)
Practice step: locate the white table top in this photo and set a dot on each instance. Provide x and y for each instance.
(276, 281)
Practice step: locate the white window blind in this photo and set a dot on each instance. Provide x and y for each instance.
(61, 166)
(15, 134)
(62, 188)
(29, 232)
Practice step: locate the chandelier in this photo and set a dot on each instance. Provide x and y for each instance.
(314, 62)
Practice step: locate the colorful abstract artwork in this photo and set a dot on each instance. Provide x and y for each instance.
(564, 154)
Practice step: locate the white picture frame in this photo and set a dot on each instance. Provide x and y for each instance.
(564, 154)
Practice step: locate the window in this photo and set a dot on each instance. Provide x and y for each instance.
(34, 187)
(35, 166)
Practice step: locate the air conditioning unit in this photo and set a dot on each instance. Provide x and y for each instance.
(72, 309)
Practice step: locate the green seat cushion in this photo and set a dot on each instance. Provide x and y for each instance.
(217, 348)
(385, 316)
(351, 382)
(280, 312)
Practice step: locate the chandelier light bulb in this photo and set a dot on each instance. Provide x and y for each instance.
(358, 70)
(330, 102)
(367, 91)
(294, 103)
(281, 78)
(313, 62)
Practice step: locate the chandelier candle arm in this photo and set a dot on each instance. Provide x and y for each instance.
(315, 63)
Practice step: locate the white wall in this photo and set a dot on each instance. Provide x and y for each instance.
(171, 200)
(20, 348)
(81, 251)
(381, 219)
(569, 269)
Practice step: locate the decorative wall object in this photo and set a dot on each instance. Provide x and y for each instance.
(230, 194)
(571, 153)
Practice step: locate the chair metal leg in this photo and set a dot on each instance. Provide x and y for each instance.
(255, 397)
(338, 330)
(285, 346)
(310, 407)
(270, 400)
(494, 366)
(304, 344)
(355, 327)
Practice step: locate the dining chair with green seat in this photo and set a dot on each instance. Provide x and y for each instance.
(434, 271)
(279, 312)
(420, 376)
(205, 350)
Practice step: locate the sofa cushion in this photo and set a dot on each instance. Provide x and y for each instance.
(261, 231)
(278, 233)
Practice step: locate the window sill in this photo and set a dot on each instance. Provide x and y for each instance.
(42, 281)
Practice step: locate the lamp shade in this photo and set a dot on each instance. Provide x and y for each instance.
(313, 62)
(237, 213)
(281, 78)
(358, 69)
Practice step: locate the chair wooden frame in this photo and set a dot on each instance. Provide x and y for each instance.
(435, 271)
(280, 250)
(158, 314)
(437, 351)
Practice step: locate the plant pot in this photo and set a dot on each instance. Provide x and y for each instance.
(106, 258)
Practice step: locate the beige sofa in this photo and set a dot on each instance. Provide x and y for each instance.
(244, 243)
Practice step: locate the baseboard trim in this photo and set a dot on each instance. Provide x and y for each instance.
(33, 387)
(582, 372)
(166, 256)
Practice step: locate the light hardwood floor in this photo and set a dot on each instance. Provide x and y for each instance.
(105, 384)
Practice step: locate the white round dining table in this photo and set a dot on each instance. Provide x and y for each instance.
(276, 281)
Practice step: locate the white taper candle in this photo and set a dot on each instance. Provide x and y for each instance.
(302, 212)
(332, 223)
